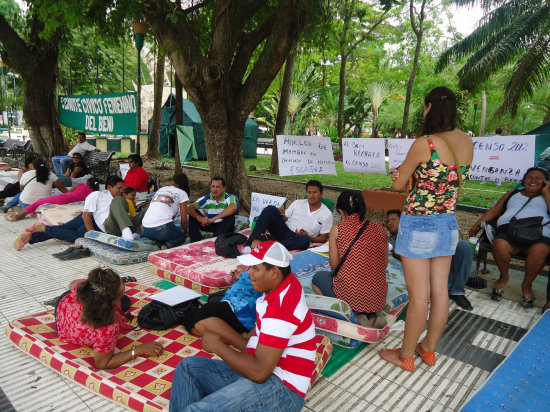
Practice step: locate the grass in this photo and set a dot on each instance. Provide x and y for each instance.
(473, 192)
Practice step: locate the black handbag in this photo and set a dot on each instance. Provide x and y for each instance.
(226, 244)
(160, 316)
(526, 230)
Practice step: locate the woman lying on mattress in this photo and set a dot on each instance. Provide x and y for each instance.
(230, 313)
(91, 314)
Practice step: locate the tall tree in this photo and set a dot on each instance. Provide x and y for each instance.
(153, 151)
(377, 92)
(417, 24)
(514, 32)
(226, 55)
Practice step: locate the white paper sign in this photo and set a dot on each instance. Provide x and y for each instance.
(260, 201)
(124, 167)
(397, 151)
(305, 155)
(364, 155)
(502, 158)
(175, 295)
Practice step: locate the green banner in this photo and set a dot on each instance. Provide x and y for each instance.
(102, 113)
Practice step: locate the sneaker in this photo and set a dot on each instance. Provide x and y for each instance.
(461, 301)
(76, 254)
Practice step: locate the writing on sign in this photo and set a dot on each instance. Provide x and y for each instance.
(364, 155)
(397, 151)
(260, 201)
(305, 155)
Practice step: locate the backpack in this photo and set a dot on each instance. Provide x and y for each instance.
(226, 244)
(159, 316)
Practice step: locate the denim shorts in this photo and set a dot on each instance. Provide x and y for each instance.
(425, 237)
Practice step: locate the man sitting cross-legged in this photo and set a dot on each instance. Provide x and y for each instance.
(96, 211)
(306, 220)
(214, 212)
(275, 368)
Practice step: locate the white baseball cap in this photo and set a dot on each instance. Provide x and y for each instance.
(267, 252)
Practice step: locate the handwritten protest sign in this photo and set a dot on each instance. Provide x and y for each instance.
(124, 167)
(305, 155)
(364, 155)
(397, 151)
(502, 158)
(260, 201)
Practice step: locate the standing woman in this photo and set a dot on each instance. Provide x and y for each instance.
(428, 231)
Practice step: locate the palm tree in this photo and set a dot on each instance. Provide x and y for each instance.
(377, 93)
(514, 32)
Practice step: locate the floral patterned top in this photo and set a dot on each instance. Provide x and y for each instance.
(72, 330)
(436, 189)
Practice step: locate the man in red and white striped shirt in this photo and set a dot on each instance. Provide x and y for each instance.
(274, 371)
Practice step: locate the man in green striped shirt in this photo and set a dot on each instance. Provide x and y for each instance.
(214, 212)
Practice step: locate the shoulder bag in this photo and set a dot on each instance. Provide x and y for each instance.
(527, 230)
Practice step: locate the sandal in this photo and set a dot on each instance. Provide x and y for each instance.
(127, 279)
(427, 357)
(22, 240)
(528, 301)
(497, 294)
(406, 364)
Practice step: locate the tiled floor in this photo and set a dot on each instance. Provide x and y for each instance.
(30, 276)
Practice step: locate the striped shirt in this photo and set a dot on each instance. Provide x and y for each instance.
(213, 208)
(283, 320)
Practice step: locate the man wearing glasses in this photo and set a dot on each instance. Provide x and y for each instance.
(62, 163)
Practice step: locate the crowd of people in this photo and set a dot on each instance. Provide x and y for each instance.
(261, 326)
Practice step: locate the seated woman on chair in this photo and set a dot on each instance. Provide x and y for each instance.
(361, 279)
(533, 200)
(91, 314)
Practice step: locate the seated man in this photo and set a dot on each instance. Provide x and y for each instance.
(305, 221)
(96, 211)
(214, 212)
(61, 164)
(276, 366)
(120, 222)
(461, 262)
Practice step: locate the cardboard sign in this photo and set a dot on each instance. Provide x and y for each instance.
(502, 158)
(364, 155)
(397, 151)
(260, 201)
(124, 167)
(305, 155)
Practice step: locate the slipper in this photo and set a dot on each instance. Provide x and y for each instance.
(427, 357)
(22, 240)
(528, 301)
(497, 294)
(406, 364)
(127, 279)
(11, 217)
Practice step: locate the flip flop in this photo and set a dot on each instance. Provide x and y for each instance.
(427, 357)
(528, 301)
(497, 294)
(127, 279)
(405, 364)
(22, 240)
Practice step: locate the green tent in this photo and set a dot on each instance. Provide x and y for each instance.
(542, 141)
(191, 118)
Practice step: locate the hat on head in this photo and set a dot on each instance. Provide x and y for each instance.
(267, 252)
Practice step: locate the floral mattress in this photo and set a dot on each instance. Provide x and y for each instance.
(143, 384)
(58, 214)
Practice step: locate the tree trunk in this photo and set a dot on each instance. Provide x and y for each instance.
(283, 108)
(153, 151)
(483, 113)
(341, 99)
(419, 32)
(179, 120)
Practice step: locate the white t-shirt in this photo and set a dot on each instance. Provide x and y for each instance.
(164, 206)
(34, 190)
(314, 223)
(81, 148)
(99, 203)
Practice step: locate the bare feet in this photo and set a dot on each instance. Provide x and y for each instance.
(393, 356)
(39, 228)
(500, 284)
(527, 290)
(22, 240)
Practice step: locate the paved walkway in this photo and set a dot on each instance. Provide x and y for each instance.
(30, 276)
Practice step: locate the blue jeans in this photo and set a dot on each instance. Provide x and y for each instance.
(461, 264)
(14, 201)
(61, 164)
(167, 234)
(271, 219)
(324, 281)
(202, 384)
(69, 231)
